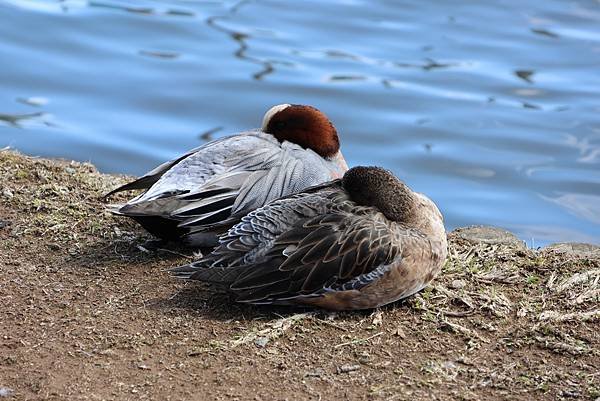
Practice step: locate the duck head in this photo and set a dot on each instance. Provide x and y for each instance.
(303, 125)
(378, 187)
(375, 186)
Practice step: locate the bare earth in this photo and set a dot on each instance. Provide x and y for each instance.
(87, 312)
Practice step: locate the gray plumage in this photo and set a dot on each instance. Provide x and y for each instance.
(211, 187)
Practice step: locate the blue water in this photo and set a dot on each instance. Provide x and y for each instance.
(491, 108)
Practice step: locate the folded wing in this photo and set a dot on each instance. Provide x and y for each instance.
(213, 186)
(301, 246)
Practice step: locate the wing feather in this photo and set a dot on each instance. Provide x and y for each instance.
(210, 188)
(303, 245)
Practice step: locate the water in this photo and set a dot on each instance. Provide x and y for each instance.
(491, 108)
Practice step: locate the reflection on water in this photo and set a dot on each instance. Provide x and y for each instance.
(27, 119)
(241, 39)
(207, 135)
(583, 206)
(544, 32)
(589, 150)
(525, 75)
(33, 101)
(491, 108)
(159, 54)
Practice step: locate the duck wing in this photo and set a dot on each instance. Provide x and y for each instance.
(289, 170)
(151, 177)
(194, 167)
(223, 180)
(299, 247)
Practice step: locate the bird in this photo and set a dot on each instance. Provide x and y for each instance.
(358, 242)
(199, 195)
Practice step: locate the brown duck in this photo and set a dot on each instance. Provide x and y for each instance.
(354, 243)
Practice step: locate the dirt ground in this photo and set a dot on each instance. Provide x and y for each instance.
(88, 313)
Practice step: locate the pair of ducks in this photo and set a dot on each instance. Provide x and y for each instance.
(291, 224)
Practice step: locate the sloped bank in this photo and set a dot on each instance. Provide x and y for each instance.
(88, 313)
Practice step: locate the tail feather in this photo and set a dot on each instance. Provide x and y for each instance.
(151, 177)
(141, 183)
(183, 272)
(160, 207)
(215, 275)
(115, 208)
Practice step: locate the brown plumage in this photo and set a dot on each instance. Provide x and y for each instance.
(360, 242)
(298, 124)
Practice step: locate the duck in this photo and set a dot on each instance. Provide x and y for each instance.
(199, 195)
(358, 242)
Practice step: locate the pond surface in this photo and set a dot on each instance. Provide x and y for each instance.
(490, 108)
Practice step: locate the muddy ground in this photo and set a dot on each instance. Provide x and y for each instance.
(87, 312)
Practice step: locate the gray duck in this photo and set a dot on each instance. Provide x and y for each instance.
(202, 193)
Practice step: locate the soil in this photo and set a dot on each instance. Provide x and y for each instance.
(88, 313)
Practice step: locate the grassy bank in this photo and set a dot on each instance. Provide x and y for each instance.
(88, 313)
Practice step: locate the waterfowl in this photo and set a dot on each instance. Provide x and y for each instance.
(354, 243)
(205, 191)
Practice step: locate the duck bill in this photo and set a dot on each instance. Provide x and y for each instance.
(340, 162)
